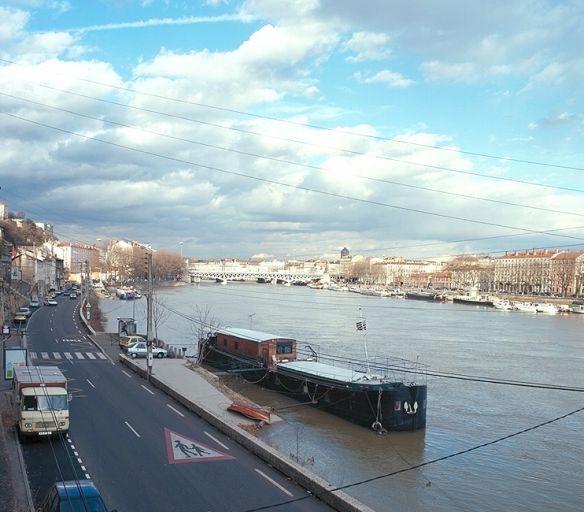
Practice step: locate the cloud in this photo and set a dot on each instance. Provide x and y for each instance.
(387, 77)
(367, 46)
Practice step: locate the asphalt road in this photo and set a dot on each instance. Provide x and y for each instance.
(143, 451)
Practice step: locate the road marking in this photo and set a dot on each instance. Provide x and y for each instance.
(273, 482)
(151, 392)
(79, 355)
(182, 449)
(33, 355)
(100, 355)
(44, 355)
(175, 410)
(132, 429)
(90, 383)
(216, 440)
(90, 355)
(56, 355)
(68, 355)
(126, 374)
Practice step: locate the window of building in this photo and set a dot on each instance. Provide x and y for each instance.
(397, 406)
(236, 345)
(224, 342)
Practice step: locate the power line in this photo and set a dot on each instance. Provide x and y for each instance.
(297, 123)
(310, 144)
(297, 187)
(289, 162)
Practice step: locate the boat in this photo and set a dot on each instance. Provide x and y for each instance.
(547, 308)
(503, 304)
(579, 308)
(529, 307)
(372, 394)
(472, 301)
(429, 295)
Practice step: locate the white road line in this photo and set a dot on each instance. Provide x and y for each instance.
(273, 482)
(33, 355)
(126, 374)
(87, 475)
(83, 468)
(90, 383)
(44, 355)
(216, 440)
(68, 355)
(173, 409)
(100, 355)
(132, 429)
(56, 355)
(151, 392)
(79, 355)
(90, 355)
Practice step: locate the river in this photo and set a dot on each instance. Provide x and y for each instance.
(537, 470)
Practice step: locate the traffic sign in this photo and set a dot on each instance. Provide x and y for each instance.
(181, 449)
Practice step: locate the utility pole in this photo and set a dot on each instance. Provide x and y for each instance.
(149, 315)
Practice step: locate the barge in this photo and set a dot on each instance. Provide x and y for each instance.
(382, 396)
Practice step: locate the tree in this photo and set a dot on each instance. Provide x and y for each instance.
(160, 313)
(168, 265)
(203, 324)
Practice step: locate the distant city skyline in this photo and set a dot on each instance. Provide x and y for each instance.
(293, 129)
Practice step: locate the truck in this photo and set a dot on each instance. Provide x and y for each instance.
(41, 400)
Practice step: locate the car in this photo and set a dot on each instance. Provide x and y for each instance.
(34, 303)
(24, 311)
(52, 302)
(126, 341)
(72, 295)
(73, 496)
(19, 318)
(140, 349)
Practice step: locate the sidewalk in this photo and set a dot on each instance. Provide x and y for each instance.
(14, 490)
(202, 392)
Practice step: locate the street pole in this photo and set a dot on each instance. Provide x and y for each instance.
(149, 316)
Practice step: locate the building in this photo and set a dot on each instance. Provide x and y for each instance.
(523, 272)
(567, 273)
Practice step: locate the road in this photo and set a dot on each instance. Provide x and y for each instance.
(143, 451)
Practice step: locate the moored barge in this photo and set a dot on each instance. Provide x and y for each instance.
(371, 394)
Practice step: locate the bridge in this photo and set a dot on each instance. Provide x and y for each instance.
(288, 277)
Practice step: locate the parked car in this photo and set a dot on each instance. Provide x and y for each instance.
(24, 311)
(19, 318)
(52, 302)
(73, 496)
(126, 341)
(34, 303)
(72, 295)
(140, 349)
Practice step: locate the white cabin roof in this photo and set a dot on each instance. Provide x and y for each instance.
(327, 371)
(251, 335)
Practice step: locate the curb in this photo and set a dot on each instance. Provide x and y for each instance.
(315, 485)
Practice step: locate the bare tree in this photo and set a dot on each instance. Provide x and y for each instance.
(203, 324)
(168, 265)
(160, 314)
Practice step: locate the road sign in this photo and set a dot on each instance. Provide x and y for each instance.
(181, 449)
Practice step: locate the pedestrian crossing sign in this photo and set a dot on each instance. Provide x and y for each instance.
(182, 449)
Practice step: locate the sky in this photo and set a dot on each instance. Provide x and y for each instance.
(292, 129)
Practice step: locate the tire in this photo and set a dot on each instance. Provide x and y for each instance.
(133, 356)
(160, 355)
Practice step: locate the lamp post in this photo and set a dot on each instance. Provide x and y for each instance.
(181, 246)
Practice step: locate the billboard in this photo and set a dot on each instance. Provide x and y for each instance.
(13, 358)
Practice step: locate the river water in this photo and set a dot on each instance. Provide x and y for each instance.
(537, 470)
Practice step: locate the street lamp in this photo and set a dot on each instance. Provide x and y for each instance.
(181, 246)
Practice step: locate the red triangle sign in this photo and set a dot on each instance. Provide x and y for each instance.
(181, 449)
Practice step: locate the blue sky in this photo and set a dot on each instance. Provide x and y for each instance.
(340, 123)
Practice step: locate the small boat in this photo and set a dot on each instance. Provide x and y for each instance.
(254, 413)
(579, 308)
(528, 307)
(546, 308)
(503, 304)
